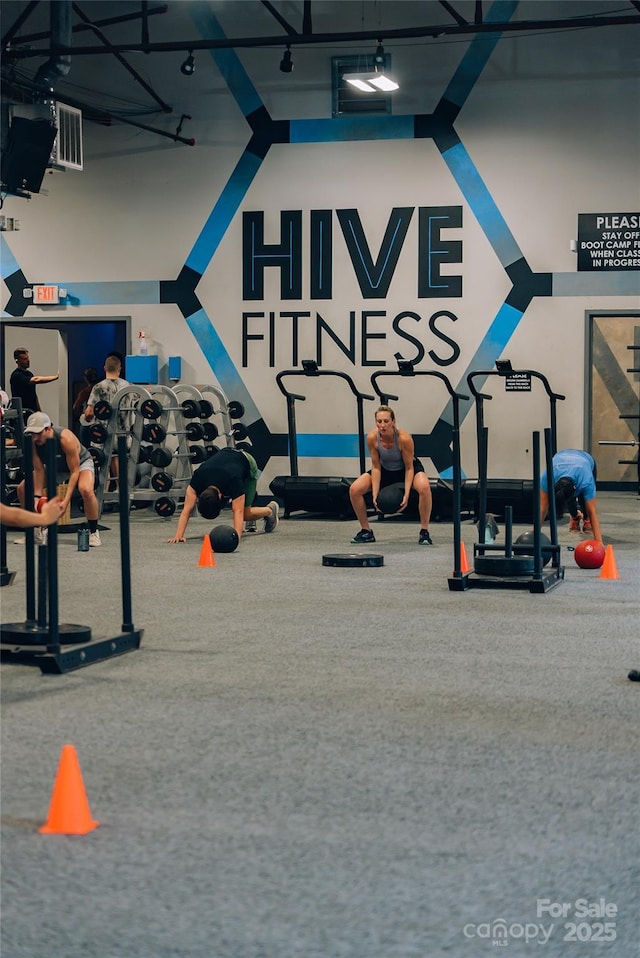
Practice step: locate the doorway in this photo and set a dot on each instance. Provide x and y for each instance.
(613, 402)
(68, 345)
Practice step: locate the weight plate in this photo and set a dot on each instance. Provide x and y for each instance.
(191, 409)
(154, 432)
(150, 408)
(209, 431)
(102, 409)
(98, 433)
(160, 457)
(164, 507)
(503, 566)
(194, 431)
(239, 431)
(353, 560)
(161, 481)
(235, 409)
(206, 409)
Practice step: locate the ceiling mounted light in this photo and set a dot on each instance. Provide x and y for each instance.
(188, 68)
(286, 64)
(374, 81)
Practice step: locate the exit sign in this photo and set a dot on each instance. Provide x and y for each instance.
(45, 295)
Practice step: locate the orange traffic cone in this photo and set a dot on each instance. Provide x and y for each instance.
(69, 812)
(207, 557)
(464, 562)
(609, 568)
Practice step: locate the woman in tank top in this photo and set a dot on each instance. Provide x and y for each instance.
(392, 460)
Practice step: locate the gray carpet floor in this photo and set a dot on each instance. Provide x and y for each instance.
(313, 762)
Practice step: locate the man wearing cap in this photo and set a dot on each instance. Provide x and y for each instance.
(574, 477)
(23, 382)
(79, 463)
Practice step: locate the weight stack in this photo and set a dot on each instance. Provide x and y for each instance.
(327, 495)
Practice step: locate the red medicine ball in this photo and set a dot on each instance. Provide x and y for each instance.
(589, 554)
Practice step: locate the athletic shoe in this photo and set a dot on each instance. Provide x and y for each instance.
(425, 538)
(39, 537)
(574, 525)
(365, 535)
(586, 526)
(271, 522)
(94, 539)
(250, 526)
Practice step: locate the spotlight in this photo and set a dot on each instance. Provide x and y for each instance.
(286, 64)
(188, 68)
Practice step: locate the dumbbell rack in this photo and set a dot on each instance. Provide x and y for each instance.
(172, 431)
(232, 432)
(104, 442)
(165, 437)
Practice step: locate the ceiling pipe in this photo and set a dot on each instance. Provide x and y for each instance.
(59, 64)
(304, 39)
(79, 27)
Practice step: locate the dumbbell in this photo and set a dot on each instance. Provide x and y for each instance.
(98, 457)
(165, 507)
(98, 433)
(211, 431)
(161, 481)
(162, 456)
(156, 433)
(190, 408)
(235, 409)
(102, 409)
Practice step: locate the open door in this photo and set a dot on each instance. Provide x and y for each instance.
(48, 355)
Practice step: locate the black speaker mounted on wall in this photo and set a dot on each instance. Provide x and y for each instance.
(26, 155)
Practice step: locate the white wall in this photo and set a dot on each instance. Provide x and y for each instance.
(550, 140)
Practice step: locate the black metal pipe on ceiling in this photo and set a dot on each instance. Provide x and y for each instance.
(405, 33)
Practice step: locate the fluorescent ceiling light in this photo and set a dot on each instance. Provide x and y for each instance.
(371, 82)
(382, 82)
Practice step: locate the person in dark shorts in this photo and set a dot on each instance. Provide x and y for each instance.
(574, 477)
(392, 460)
(231, 474)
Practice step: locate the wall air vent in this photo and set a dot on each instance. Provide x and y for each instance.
(67, 149)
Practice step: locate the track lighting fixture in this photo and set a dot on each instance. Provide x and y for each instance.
(188, 68)
(286, 64)
(375, 81)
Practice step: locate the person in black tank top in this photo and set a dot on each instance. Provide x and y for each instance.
(392, 460)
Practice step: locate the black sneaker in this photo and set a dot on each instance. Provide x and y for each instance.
(365, 535)
(425, 538)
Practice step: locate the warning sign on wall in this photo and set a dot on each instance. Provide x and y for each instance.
(608, 241)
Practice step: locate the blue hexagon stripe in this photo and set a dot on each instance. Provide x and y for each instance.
(438, 126)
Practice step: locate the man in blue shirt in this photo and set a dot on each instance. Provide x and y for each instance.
(574, 476)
